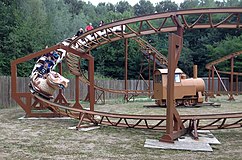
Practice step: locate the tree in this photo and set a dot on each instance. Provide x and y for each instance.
(123, 6)
(90, 14)
(207, 4)
(29, 34)
(110, 7)
(143, 7)
(186, 61)
(7, 24)
(75, 6)
(233, 3)
(166, 6)
(188, 4)
(223, 48)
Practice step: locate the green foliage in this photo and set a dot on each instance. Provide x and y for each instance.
(166, 6)
(74, 6)
(123, 6)
(225, 47)
(143, 7)
(27, 26)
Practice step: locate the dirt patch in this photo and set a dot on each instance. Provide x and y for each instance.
(50, 139)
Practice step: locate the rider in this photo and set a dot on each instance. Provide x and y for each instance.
(80, 32)
(44, 70)
(89, 27)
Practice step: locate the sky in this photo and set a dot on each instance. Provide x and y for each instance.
(131, 2)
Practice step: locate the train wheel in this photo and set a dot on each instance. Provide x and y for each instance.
(186, 103)
(189, 103)
(158, 102)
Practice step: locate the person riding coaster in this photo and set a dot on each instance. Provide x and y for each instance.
(47, 85)
(43, 80)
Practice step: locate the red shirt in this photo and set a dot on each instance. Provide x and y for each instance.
(88, 28)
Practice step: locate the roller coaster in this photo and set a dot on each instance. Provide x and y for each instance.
(77, 48)
(211, 67)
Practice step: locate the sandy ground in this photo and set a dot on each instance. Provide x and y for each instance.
(50, 139)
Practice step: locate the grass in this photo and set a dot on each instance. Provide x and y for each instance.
(50, 139)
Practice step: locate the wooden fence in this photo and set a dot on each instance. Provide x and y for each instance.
(22, 86)
(6, 100)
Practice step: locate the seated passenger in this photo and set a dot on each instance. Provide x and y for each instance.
(53, 55)
(89, 27)
(50, 62)
(43, 70)
(101, 23)
(80, 32)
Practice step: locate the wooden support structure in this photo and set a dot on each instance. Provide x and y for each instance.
(219, 88)
(174, 125)
(220, 79)
(231, 97)
(126, 69)
(209, 78)
(92, 83)
(27, 100)
(149, 67)
(212, 87)
(77, 93)
(60, 98)
(237, 85)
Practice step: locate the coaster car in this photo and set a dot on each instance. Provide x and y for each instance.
(45, 86)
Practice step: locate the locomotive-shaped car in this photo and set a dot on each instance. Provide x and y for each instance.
(187, 91)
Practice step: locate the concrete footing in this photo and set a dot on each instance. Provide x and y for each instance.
(186, 142)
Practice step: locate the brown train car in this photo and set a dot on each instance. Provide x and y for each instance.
(187, 91)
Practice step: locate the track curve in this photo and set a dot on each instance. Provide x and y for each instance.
(128, 29)
(208, 121)
(222, 59)
(135, 27)
(179, 18)
(73, 63)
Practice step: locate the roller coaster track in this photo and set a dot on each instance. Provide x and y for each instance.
(222, 59)
(149, 50)
(73, 63)
(167, 22)
(209, 122)
(74, 67)
(129, 28)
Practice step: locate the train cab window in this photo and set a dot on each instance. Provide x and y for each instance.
(177, 78)
(158, 78)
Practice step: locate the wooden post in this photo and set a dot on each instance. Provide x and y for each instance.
(174, 125)
(91, 80)
(231, 97)
(77, 93)
(237, 85)
(126, 69)
(219, 88)
(212, 88)
(209, 74)
(194, 71)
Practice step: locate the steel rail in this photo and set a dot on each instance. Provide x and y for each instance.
(222, 59)
(99, 38)
(73, 65)
(115, 31)
(167, 25)
(152, 51)
(208, 121)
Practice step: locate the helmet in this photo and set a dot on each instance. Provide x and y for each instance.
(55, 55)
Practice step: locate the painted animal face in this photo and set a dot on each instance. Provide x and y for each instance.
(55, 79)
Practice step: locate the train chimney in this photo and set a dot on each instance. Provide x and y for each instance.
(195, 71)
